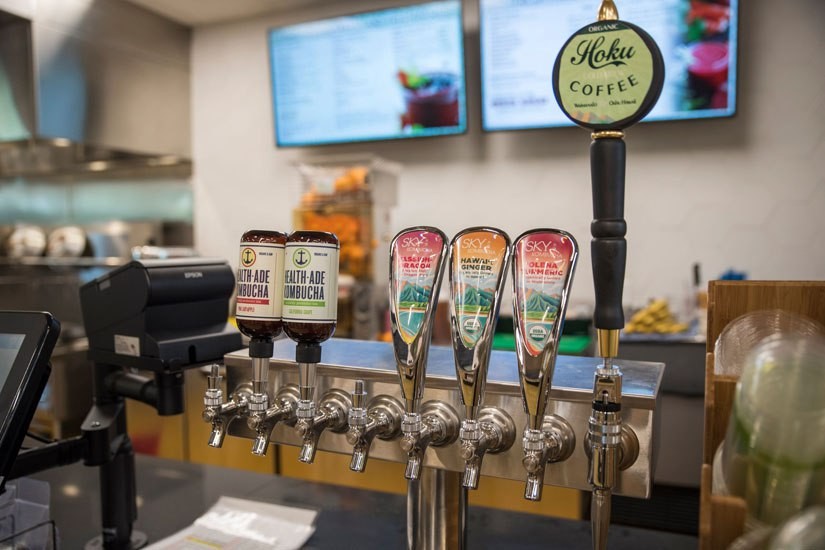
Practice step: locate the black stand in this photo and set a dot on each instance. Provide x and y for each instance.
(105, 443)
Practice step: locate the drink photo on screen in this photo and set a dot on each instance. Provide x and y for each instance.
(707, 37)
(431, 100)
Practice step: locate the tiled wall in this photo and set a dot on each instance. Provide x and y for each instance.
(58, 203)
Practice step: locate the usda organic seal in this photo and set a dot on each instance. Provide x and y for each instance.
(608, 75)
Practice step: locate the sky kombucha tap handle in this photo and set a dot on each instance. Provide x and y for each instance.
(478, 268)
(543, 266)
(417, 259)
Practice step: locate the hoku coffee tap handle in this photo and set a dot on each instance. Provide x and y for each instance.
(641, 62)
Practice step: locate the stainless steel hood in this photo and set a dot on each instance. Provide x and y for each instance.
(92, 86)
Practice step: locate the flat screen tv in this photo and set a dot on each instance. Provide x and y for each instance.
(521, 38)
(389, 74)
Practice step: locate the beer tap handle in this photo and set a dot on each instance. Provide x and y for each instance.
(608, 247)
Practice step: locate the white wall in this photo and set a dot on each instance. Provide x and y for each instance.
(747, 192)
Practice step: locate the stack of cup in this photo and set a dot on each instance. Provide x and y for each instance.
(774, 451)
(739, 338)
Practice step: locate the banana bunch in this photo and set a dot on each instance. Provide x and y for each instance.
(656, 318)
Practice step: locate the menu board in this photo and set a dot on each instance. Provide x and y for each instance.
(520, 40)
(390, 74)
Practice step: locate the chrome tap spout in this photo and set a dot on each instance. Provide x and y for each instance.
(334, 408)
(437, 425)
(284, 411)
(382, 419)
(219, 413)
(493, 432)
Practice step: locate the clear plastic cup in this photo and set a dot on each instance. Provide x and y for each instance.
(774, 450)
(739, 338)
(804, 531)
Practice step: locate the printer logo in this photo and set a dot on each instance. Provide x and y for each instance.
(193, 275)
(248, 257)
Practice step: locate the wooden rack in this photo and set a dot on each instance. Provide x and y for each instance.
(722, 518)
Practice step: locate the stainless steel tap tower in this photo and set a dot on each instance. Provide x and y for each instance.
(548, 399)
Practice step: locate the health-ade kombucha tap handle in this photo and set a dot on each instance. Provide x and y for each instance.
(310, 313)
(607, 77)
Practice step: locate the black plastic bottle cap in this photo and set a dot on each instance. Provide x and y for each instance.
(307, 353)
(261, 347)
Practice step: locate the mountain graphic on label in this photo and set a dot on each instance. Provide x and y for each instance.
(538, 302)
(476, 297)
(413, 295)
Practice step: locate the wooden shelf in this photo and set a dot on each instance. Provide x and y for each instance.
(722, 518)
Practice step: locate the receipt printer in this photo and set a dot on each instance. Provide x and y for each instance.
(160, 314)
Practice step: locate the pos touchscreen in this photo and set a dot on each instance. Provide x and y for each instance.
(26, 343)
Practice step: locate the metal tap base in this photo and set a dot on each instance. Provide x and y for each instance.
(436, 511)
(570, 398)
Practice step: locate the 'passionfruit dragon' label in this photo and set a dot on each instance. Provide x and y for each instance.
(415, 270)
(478, 258)
(543, 262)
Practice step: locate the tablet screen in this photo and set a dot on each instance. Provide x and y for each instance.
(9, 347)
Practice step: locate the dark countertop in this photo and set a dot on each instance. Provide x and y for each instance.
(172, 494)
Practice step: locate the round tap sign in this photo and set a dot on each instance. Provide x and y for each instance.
(608, 75)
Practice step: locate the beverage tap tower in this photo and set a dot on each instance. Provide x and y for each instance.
(418, 256)
(544, 261)
(310, 313)
(607, 77)
(478, 268)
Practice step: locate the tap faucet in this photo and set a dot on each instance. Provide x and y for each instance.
(219, 413)
(492, 432)
(382, 419)
(543, 267)
(437, 425)
(554, 442)
(284, 411)
(605, 439)
(478, 269)
(334, 408)
(417, 260)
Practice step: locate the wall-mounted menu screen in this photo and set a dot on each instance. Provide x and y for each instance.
(390, 74)
(521, 38)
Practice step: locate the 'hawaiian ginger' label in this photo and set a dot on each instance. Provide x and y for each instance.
(478, 258)
(260, 282)
(311, 282)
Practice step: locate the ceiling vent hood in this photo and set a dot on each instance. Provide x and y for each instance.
(92, 87)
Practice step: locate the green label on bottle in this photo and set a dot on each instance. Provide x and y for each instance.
(604, 74)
